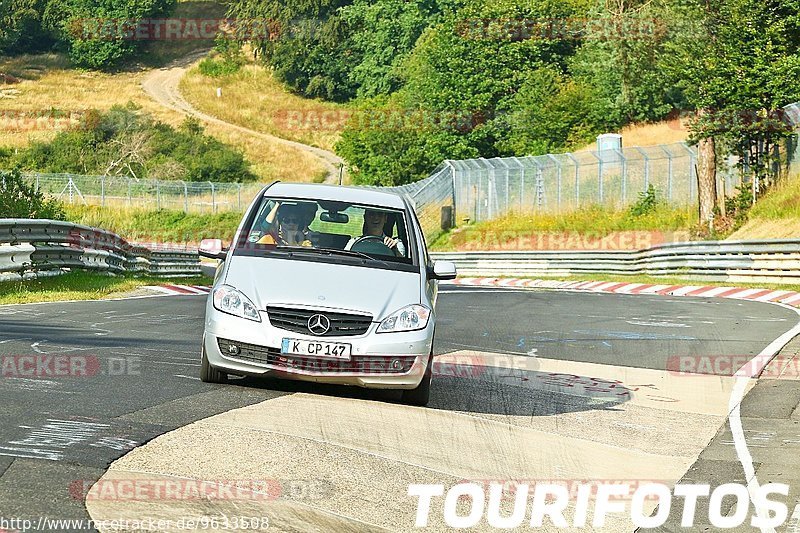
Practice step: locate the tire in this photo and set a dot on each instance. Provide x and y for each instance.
(420, 395)
(209, 374)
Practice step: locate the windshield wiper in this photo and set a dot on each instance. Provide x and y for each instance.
(331, 251)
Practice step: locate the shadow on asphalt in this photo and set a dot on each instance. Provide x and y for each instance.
(482, 389)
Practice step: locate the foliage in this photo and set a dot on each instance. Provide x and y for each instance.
(18, 199)
(230, 60)
(125, 141)
(738, 206)
(148, 225)
(739, 64)
(645, 204)
(21, 26)
(99, 33)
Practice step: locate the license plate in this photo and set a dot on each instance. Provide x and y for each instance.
(327, 350)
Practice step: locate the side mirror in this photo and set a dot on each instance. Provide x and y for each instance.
(443, 270)
(212, 249)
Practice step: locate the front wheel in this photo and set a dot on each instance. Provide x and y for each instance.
(209, 374)
(422, 393)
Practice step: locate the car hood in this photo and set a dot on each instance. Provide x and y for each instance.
(291, 282)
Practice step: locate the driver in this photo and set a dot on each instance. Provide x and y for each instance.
(374, 224)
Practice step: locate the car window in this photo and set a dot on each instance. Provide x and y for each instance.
(353, 230)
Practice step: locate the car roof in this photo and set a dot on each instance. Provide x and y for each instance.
(354, 195)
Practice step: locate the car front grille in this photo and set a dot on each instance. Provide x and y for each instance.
(358, 364)
(341, 324)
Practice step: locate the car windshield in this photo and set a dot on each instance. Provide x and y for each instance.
(329, 231)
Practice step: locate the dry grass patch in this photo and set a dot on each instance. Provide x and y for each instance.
(49, 82)
(650, 134)
(254, 99)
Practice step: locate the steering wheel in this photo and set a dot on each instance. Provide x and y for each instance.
(371, 244)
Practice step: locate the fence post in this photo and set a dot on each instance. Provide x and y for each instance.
(213, 198)
(669, 171)
(158, 194)
(102, 191)
(646, 167)
(692, 174)
(558, 179)
(599, 175)
(185, 197)
(129, 192)
(490, 195)
(624, 163)
(239, 193)
(577, 178)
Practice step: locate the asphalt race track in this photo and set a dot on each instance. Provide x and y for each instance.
(530, 384)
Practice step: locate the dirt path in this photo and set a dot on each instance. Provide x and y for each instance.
(162, 86)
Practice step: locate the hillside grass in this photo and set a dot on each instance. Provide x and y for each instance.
(50, 81)
(776, 215)
(649, 134)
(80, 285)
(592, 221)
(164, 226)
(254, 99)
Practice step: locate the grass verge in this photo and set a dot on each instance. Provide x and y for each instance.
(776, 215)
(142, 225)
(593, 221)
(82, 286)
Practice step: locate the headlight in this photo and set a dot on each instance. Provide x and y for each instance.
(229, 300)
(406, 319)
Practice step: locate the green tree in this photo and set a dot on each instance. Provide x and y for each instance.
(98, 32)
(738, 68)
(18, 199)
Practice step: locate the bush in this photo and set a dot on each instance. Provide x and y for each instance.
(230, 59)
(94, 29)
(20, 200)
(646, 204)
(125, 141)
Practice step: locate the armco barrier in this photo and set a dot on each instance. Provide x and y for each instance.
(773, 261)
(38, 246)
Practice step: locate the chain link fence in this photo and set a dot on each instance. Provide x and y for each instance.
(487, 188)
(121, 191)
(470, 189)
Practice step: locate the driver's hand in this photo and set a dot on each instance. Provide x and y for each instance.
(391, 243)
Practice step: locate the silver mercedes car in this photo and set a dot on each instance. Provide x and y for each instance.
(326, 284)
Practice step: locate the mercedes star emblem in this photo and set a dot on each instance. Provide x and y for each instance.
(319, 324)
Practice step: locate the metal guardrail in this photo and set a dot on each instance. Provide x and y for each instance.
(773, 261)
(31, 247)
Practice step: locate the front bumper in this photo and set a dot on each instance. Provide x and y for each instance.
(372, 354)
